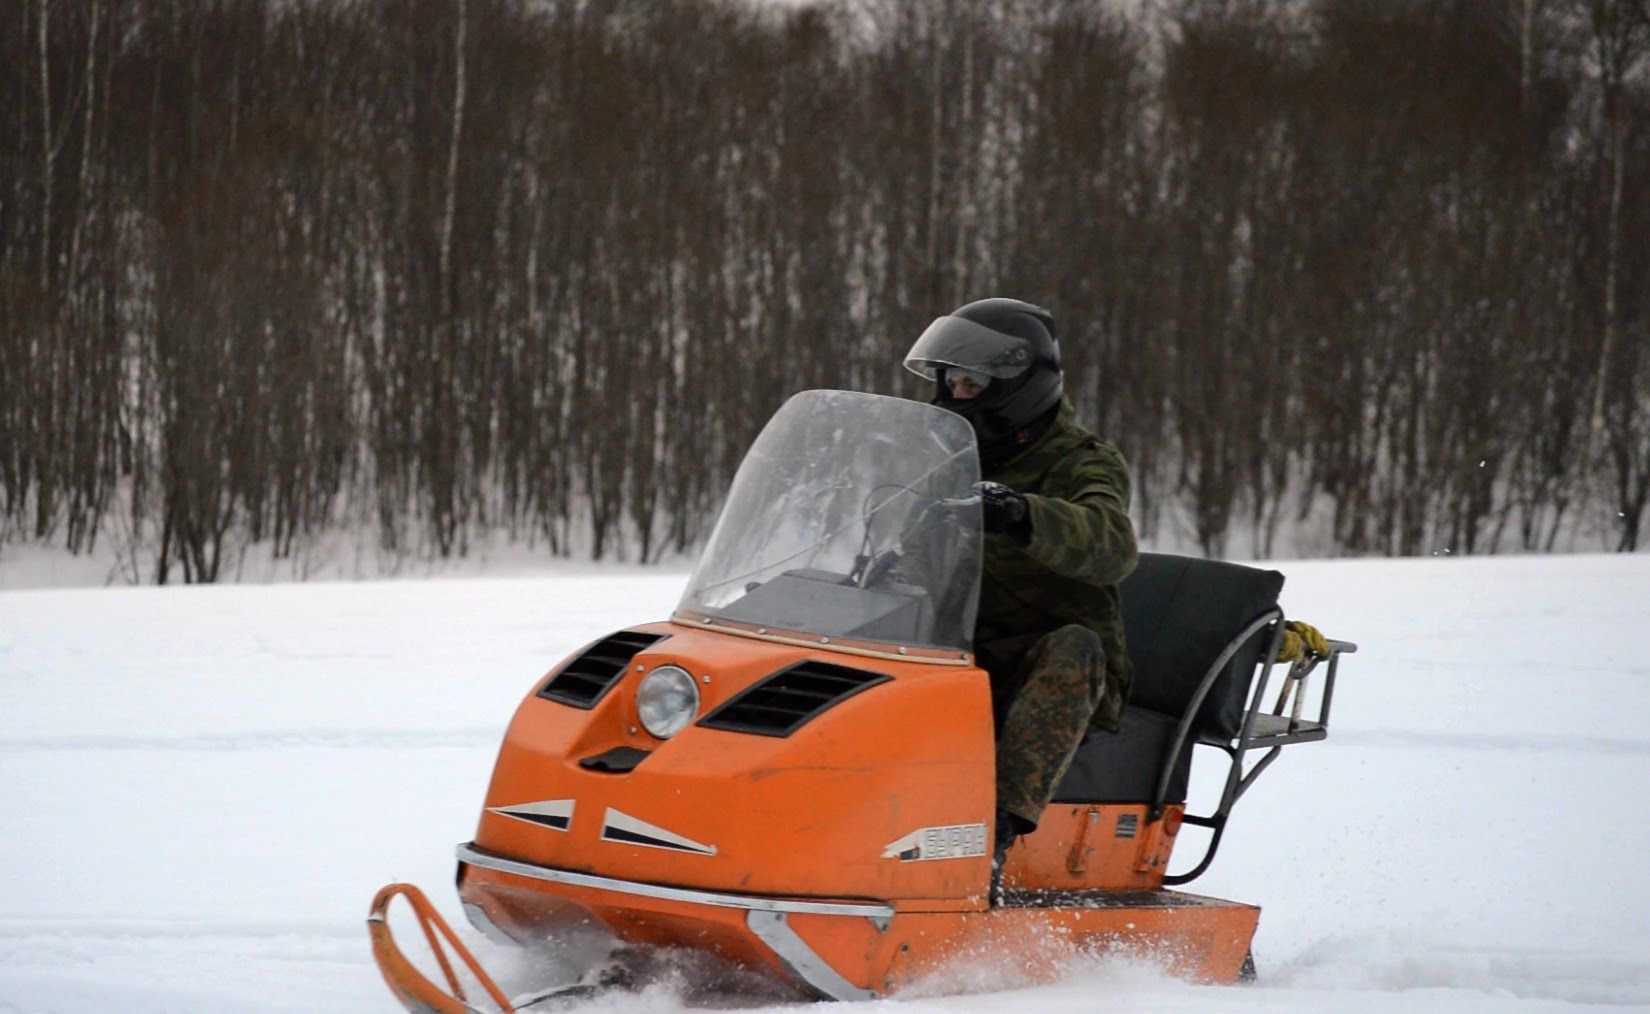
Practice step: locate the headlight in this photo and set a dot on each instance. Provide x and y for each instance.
(666, 701)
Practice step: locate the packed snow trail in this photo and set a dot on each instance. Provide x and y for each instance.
(201, 788)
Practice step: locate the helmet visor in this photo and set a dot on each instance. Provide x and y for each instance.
(961, 343)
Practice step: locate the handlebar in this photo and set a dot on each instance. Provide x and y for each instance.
(871, 568)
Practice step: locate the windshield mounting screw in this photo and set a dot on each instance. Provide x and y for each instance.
(761, 630)
(824, 640)
(902, 649)
(640, 667)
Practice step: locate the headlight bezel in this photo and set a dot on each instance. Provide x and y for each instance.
(656, 691)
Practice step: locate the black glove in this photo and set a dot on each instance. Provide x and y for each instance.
(879, 567)
(1003, 510)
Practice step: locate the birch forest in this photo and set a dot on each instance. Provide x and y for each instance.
(1338, 277)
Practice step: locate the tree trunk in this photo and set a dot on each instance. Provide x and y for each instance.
(84, 190)
(1612, 260)
(47, 154)
(445, 279)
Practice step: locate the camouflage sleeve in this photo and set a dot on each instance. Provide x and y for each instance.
(1081, 529)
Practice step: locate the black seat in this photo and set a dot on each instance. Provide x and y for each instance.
(1179, 615)
(1123, 767)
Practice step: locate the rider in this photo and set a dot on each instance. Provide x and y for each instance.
(1055, 508)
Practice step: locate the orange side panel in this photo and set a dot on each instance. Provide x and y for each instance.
(1093, 846)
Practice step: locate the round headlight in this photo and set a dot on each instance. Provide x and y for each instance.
(666, 701)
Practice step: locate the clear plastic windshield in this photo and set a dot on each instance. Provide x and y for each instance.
(852, 517)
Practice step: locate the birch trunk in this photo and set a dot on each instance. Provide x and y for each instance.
(47, 155)
(1526, 29)
(1612, 270)
(936, 139)
(445, 280)
(85, 188)
(967, 160)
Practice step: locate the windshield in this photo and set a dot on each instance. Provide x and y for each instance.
(853, 518)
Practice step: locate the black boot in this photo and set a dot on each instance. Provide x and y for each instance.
(1008, 830)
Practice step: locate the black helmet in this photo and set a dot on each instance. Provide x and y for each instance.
(1009, 347)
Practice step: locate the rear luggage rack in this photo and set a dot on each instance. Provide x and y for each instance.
(1259, 731)
(787, 700)
(589, 676)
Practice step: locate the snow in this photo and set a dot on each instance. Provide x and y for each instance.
(201, 788)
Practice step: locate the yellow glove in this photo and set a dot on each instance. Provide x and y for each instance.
(1299, 639)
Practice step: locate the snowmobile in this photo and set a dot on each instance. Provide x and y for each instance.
(795, 771)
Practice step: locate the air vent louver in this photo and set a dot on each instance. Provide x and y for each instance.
(790, 698)
(583, 681)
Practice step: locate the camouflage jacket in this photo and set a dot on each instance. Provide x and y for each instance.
(1081, 545)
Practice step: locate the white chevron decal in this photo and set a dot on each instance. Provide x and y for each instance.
(622, 827)
(555, 813)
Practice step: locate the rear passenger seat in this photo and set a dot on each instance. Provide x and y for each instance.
(1179, 615)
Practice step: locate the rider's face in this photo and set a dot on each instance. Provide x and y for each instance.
(963, 387)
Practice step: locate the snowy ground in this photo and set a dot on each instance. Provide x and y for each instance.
(200, 788)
